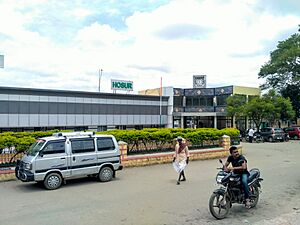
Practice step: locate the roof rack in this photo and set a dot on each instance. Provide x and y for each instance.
(72, 134)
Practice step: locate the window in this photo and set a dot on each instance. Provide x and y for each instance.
(189, 101)
(54, 147)
(82, 145)
(178, 102)
(206, 101)
(221, 99)
(290, 129)
(195, 101)
(105, 143)
(199, 101)
(210, 101)
(202, 101)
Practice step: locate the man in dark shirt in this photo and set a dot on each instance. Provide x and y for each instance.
(239, 166)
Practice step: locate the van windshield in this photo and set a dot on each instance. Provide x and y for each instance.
(36, 147)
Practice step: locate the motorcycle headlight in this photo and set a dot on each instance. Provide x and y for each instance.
(219, 179)
(28, 166)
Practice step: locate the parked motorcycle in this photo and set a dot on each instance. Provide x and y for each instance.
(231, 191)
(256, 137)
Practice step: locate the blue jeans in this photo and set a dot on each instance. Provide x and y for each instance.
(245, 184)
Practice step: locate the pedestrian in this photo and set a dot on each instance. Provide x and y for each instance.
(250, 134)
(181, 158)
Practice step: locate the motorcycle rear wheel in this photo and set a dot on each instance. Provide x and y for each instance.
(219, 205)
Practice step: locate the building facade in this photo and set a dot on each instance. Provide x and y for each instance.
(203, 107)
(26, 109)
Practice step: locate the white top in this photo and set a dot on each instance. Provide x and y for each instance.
(251, 132)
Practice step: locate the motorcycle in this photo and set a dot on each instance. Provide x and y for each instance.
(231, 191)
(256, 137)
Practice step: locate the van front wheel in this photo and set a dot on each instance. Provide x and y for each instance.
(105, 174)
(53, 181)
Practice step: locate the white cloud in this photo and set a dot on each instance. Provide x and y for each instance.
(225, 41)
(80, 13)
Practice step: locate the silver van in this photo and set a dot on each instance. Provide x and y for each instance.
(54, 159)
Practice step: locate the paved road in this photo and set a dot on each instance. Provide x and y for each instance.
(150, 196)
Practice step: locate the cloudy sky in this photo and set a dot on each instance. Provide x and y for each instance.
(62, 44)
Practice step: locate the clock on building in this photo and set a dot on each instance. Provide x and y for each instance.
(199, 81)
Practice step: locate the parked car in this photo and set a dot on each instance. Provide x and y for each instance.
(273, 134)
(293, 132)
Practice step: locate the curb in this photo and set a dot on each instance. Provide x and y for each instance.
(7, 173)
(7, 176)
(145, 160)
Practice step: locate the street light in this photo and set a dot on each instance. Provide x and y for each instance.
(100, 75)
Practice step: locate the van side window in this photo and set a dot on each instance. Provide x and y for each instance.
(105, 143)
(54, 147)
(82, 145)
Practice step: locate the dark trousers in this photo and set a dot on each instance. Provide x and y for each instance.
(181, 174)
(250, 139)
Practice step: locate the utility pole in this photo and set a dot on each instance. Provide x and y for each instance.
(160, 101)
(2, 61)
(100, 75)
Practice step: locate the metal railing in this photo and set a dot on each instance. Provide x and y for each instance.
(9, 159)
(151, 148)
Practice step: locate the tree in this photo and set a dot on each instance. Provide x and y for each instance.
(292, 92)
(258, 110)
(235, 105)
(283, 109)
(282, 71)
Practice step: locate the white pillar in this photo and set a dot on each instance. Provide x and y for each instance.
(182, 123)
(215, 121)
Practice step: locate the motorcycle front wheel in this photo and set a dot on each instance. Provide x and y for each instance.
(255, 196)
(219, 205)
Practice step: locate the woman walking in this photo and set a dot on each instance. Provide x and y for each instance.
(181, 158)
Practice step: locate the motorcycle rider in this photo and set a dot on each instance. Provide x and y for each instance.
(239, 166)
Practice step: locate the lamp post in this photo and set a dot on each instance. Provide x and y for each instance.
(2, 61)
(100, 75)
(160, 101)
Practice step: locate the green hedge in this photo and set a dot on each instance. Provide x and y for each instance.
(168, 134)
(138, 138)
(163, 138)
(21, 140)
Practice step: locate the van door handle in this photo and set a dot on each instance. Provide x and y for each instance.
(73, 158)
(63, 158)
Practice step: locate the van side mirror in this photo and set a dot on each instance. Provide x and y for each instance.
(41, 153)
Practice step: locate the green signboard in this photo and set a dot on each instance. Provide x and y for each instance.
(122, 85)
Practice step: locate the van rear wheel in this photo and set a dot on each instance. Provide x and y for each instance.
(105, 174)
(52, 181)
